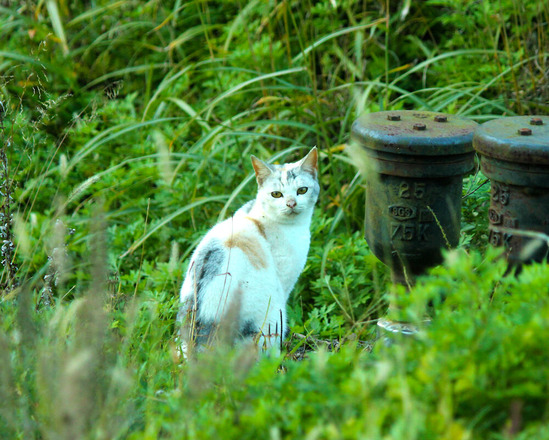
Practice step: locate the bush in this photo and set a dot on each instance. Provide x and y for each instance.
(127, 129)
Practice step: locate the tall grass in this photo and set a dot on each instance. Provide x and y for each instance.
(131, 124)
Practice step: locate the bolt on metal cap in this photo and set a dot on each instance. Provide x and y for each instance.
(515, 139)
(415, 133)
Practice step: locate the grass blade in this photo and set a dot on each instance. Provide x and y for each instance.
(57, 24)
(169, 218)
(244, 84)
(335, 35)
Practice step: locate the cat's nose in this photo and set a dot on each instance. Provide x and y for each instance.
(291, 203)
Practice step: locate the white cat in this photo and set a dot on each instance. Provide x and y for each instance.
(245, 267)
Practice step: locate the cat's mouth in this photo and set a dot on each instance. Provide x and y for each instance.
(291, 212)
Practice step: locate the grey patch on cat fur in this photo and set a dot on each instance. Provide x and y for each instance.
(248, 329)
(290, 175)
(203, 331)
(208, 264)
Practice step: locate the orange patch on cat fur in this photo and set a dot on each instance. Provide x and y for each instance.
(250, 247)
(259, 226)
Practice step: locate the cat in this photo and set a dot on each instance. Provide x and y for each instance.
(244, 269)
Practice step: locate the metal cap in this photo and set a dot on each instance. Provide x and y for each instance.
(522, 139)
(418, 133)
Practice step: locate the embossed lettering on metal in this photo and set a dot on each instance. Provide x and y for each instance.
(401, 212)
(414, 177)
(514, 155)
(494, 217)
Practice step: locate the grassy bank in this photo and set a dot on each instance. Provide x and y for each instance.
(126, 133)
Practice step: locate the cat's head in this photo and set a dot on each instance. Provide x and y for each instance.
(290, 190)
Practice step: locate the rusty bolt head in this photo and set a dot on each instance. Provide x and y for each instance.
(441, 118)
(536, 121)
(524, 131)
(393, 117)
(420, 126)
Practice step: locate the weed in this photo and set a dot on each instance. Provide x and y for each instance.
(8, 280)
(151, 110)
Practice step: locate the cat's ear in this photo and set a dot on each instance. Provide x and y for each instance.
(262, 170)
(309, 163)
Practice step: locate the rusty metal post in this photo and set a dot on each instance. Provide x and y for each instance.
(514, 153)
(415, 162)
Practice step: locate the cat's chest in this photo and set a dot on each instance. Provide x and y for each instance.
(289, 246)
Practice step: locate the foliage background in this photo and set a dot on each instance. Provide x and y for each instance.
(127, 129)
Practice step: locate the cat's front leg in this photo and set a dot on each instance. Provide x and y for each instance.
(272, 332)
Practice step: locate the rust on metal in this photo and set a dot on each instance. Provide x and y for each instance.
(378, 133)
(413, 191)
(499, 139)
(419, 126)
(441, 118)
(524, 131)
(393, 117)
(518, 168)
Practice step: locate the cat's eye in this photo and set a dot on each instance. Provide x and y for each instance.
(302, 190)
(276, 194)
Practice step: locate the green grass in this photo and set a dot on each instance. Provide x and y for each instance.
(128, 128)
